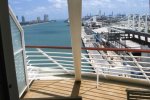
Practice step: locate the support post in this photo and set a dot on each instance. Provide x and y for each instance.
(97, 71)
(139, 24)
(133, 36)
(146, 39)
(133, 22)
(128, 35)
(74, 8)
(139, 37)
(128, 21)
(146, 24)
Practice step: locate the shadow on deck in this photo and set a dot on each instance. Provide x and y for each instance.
(85, 90)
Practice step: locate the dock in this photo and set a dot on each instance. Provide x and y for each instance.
(96, 55)
(104, 58)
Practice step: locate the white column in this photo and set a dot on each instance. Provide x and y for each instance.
(146, 24)
(75, 8)
(128, 21)
(139, 24)
(133, 23)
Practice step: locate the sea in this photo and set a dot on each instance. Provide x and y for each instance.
(49, 34)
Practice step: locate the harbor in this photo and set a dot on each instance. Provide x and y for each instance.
(116, 35)
(117, 63)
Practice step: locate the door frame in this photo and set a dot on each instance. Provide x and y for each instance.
(7, 65)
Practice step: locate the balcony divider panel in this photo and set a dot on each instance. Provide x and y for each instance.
(19, 53)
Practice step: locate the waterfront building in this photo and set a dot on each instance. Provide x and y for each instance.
(38, 19)
(23, 19)
(46, 18)
(100, 13)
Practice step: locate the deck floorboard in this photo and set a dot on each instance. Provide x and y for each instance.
(86, 89)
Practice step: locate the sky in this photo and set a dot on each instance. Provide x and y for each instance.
(58, 9)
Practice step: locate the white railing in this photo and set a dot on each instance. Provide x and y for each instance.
(115, 65)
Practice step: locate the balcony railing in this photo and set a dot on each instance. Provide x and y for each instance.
(44, 62)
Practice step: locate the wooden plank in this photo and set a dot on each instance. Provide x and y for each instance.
(86, 89)
(58, 98)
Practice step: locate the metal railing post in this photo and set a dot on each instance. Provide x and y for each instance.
(51, 59)
(140, 67)
(97, 76)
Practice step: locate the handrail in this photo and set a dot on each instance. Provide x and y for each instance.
(89, 48)
(115, 70)
(50, 58)
(140, 67)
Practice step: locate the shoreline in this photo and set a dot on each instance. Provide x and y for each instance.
(34, 24)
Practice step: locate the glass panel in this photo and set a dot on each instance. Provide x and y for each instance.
(15, 36)
(20, 71)
(19, 62)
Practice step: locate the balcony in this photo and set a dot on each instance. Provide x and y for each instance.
(104, 76)
(54, 73)
(67, 88)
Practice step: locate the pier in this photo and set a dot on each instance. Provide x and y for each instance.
(135, 36)
(97, 58)
(91, 52)
(106, 61)
(124, 38)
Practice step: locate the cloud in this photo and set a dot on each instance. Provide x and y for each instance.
(122, 1)
(40, 9)
(98, 3)
(93, 6)
(28, 0)
(19, 1)
(58, 4)
(59, 7)
(37, 10)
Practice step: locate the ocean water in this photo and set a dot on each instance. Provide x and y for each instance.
(48, 34)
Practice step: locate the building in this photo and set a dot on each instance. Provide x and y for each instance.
(23, 19)
(38, 19)
(46, 18)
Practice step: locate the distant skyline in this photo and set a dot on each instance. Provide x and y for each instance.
(57, 9)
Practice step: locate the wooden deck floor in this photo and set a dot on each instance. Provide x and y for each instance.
(87, 89)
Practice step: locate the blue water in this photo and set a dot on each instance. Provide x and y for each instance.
(48, 34)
